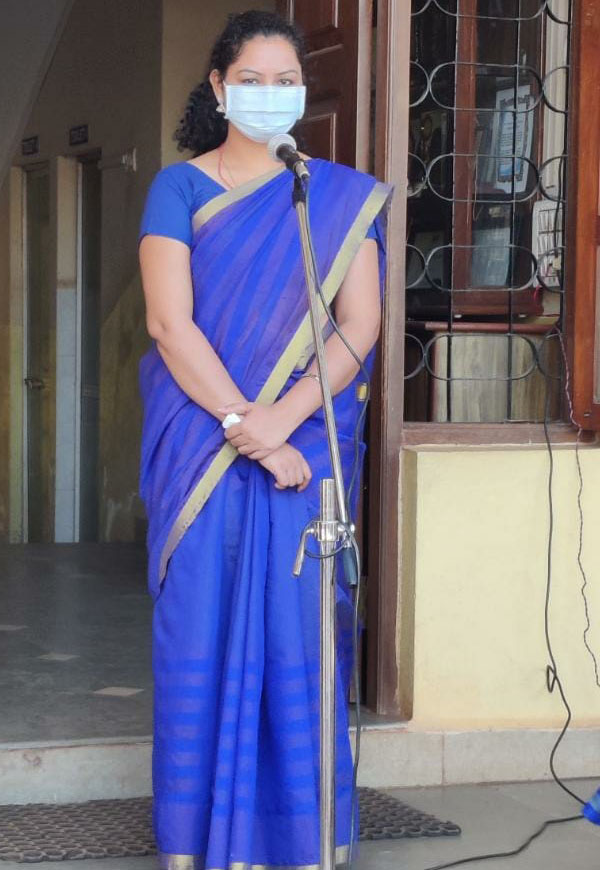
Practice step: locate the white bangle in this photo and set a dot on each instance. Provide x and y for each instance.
(230, 420)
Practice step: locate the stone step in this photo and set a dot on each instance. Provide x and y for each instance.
(392, 755)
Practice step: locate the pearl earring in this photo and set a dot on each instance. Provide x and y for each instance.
(221, 109)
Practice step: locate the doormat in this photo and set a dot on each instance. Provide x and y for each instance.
(123, 828)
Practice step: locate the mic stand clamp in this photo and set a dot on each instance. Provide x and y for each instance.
(329, 530)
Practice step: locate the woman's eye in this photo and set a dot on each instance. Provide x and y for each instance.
(249, 81)
(285, 81)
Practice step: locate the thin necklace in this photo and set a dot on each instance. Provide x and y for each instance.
(222, 163)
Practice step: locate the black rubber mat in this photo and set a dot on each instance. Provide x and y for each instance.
(123, 828)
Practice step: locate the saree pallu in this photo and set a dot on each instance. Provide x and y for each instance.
(235, 654)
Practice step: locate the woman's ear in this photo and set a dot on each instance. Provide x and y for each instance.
(217, 85)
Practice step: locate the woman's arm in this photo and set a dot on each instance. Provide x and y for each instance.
(191, 359)
(358, 314)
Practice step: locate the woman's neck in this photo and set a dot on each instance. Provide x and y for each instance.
(244, 157)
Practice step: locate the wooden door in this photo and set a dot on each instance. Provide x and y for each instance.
(338, 38)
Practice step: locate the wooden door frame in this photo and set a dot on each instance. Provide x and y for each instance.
(390, 613)
(583, 214)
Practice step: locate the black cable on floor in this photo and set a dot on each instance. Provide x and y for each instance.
(510, 853)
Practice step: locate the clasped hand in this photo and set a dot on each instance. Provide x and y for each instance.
(262, 435)
(261, 431)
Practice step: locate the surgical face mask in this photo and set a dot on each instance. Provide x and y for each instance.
(262, 111)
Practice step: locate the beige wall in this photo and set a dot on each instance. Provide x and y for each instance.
(475, 553)
(189, 30)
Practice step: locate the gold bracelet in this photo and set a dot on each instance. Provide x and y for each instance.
(311, 375)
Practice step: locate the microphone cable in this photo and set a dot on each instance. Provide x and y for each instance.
(512, 852)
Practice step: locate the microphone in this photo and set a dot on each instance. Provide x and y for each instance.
(282, 147)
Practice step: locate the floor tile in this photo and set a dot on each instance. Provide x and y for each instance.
(86, 601)
(118, 691)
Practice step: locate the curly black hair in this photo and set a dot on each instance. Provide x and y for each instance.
(202, 128)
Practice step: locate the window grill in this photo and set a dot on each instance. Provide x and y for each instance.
(485, 290)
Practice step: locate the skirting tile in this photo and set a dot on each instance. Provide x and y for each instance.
(519, 754)
(392, 757)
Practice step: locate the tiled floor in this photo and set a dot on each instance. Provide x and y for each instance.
(75, 642)
(492, 817)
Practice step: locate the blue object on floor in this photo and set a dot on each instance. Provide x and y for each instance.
(592, 809)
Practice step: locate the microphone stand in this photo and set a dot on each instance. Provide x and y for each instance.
(329, 529)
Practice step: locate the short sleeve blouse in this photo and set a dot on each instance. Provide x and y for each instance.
(175, 195)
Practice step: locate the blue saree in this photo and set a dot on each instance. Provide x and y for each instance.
(235, 636)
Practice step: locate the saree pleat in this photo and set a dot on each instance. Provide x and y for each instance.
(235, 636)
(235, 757)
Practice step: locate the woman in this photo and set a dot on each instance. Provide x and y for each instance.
(235, 635)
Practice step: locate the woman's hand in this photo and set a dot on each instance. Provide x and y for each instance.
(262, 430)
(288, 466)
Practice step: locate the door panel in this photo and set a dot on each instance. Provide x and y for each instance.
(40, 382)
(338, 37)
(316, 14)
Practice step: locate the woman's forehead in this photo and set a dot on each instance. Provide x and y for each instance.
(268, 54)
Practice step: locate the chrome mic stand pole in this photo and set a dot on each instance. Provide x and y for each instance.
(329, 530)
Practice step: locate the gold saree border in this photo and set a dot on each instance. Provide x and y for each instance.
(222, 200)
(171, 861)
(281, 371)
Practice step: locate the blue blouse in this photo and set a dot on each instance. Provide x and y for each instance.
(175, 195)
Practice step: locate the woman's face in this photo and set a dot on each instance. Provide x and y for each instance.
(263, 60)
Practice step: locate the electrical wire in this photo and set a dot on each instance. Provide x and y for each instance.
(511, 852)
(558, 210)
(553, 680)
(357, 359)
(584, 584)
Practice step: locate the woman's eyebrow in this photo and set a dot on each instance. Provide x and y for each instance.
(246, 69)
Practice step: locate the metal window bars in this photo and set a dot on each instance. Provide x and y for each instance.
(485, 290)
